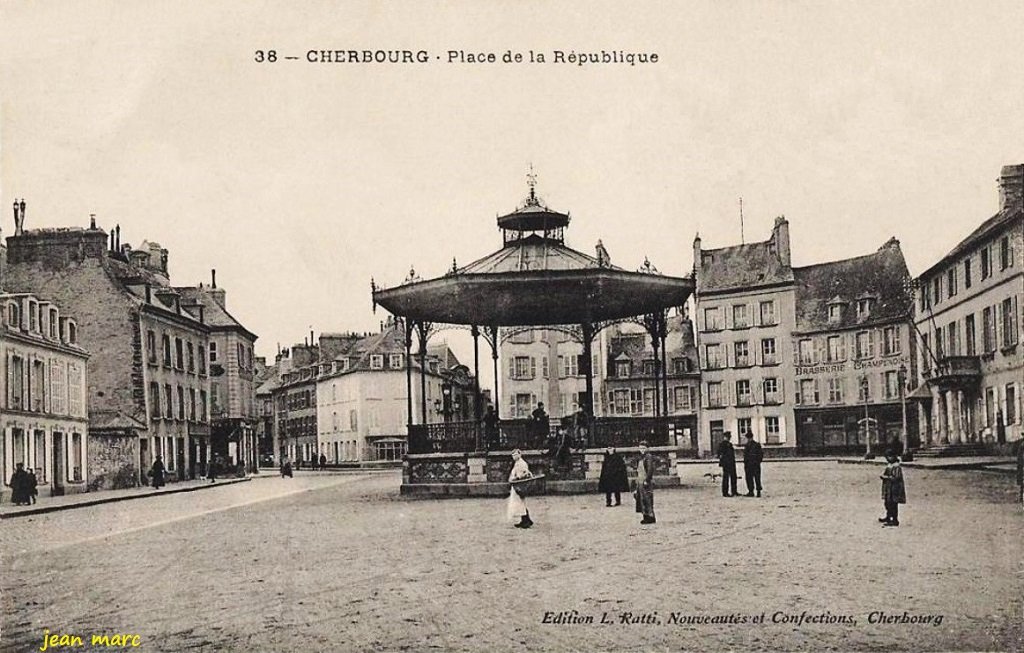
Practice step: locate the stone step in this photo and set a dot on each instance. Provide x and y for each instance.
(949, 450)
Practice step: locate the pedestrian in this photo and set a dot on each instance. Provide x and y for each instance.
(286, 467)
(560, 451)
(516, 504)
(491, 428)
(727, 461)
(893, 491)
(323, 462)
(645, 485)
(156, 472)
(753, 454)
(581, 428)
(19, 486)
(614, 479)
(33, 485)
(213, 470)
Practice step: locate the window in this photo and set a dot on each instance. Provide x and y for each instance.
(377, 361)
(1011, 403)
(988, 330)
(890, 341)
(712, 319)
(58, 388)
(1009, 317)
(773, 434)
(743, 426)
(864, 389)
(523, 367)
(191, 357)
(864, 306)
(40, 456)
(986, 262)
(154, 400)
(168, 401)
(395, 361)
(740, 320)
(742, 354)
(179, 354)
(13, 316)
(990, 406)
(684, 397)
(37, 385)
(953, 333)
(926, 358)
(937, 288)
(181, 403)
(967, 273)
(771, 391)
(648, 368)
(202, 359)
(768, 355)
(54, 324)
(192, 404)
(165, 340)
(1005, 253)
(715, 394)
(951, 282)
(940, 343)
(648, 401)
(835, 312)
(681, 366)
(714, 356)
(808, 392)
(835, 390)
(353, 420)
(76, 458)
(16, 383)
(970, 347)
(151, 346)
(865, 341)
(926, 298)
(743, 392)
(806, 351)
(33, 316)
(76, 388)
(836, 349)
(623, 369)
(568, 365)
(619, 401)
(767, 313)
(202, 405)
(892, 385)
(72, 334)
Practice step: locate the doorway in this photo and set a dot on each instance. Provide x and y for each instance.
(57, 465)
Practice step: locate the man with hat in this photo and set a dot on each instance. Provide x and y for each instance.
(753, 454)
(727, 461)
(645, 485)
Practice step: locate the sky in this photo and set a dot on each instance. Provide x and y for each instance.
(299, 182)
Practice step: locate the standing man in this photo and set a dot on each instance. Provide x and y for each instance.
(753, 454)
(727, 461)
(323, 462)
(490, 428)
(645, 485)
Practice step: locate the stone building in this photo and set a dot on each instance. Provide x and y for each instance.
(745, 315)
(232, 369)
(853, 352)
(43, 382)
(968, 317)
(148, 389)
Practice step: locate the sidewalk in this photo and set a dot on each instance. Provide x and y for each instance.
(69, 501)
(1001, 464)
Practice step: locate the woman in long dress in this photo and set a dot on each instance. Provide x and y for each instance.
(516, 504)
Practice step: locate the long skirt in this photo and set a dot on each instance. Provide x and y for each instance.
(516, 506)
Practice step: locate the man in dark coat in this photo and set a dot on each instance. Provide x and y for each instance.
(753, 454)
(727, 461)
(490, 428)
(645, 485)
(19, 485)
(157, 473)
(323, 462)
(33, 486)
(613, 477)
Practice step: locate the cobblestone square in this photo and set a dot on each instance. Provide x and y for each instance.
(340, 562)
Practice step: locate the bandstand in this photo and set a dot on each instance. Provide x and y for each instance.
(534, 281)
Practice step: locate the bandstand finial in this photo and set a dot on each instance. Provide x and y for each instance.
(531, 181)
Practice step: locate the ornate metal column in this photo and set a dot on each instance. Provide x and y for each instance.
(423, 332)
(408, 373)
(492, 335)
(587, 330)
(477, 408)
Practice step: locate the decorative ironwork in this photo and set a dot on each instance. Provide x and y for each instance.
(439, 471)
(630, 431)
(954, 369)
(449, 437)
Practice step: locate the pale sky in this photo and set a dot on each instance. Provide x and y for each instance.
(300, 181)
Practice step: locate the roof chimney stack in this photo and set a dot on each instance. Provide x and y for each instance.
(780, 234)
(1011, 188)
(19, 217)
(213, 278)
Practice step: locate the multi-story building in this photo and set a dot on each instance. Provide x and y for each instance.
(42, 395)
(745, 306)
(148, 389)
(853, 352)
(629, 383)
(232, 369)
(363, 399)
(968, 317)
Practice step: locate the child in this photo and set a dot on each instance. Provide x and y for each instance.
(893, 490)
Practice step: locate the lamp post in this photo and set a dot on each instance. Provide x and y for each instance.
(901, 375)
(867, 418)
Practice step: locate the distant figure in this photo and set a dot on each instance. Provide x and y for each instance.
(893, 491)
(323, 462)
(895, 447)
(727, 461)
(560, 451)
(581, 428)
(753, 454)
(286, 467)
(614, 479)
(490, 428)
(213, 469)
(516, 504)
(33, 485)
(539, 414)
(645, 485)
(156, 472)
(19, 486)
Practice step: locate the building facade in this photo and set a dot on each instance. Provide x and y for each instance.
(43, 414)
(968, 319)
(745, 315)
(148, 391)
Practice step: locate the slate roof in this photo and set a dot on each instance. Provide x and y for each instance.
(635, 345)
(533, 253)
(742, 266)
(214, 314)
(880, 275)
(986, 230)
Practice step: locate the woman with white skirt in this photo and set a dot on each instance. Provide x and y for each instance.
(516, 504)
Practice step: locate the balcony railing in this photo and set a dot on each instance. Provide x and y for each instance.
(953, 369)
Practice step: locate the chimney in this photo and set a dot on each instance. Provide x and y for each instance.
(213, 278)
(111, 247)
(149, 294)
(117, 246)
(19, 217)
(696, 253)
(92, 221)
(219, 295)
(780, 237)
(1011, 188)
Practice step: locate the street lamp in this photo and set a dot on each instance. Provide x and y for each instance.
(901, 375)
(867, 419)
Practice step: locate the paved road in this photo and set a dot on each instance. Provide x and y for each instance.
(351, 567)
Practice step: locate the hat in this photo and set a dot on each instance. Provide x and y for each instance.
(643, 443)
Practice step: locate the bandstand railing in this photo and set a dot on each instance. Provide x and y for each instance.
(444, 437)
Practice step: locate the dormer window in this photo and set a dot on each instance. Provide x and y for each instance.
(13, 316)
(33, 316)
(395, 361)
(343, 365)
(835, 311)
(864, 306)
(377, 361)
(434, 367)
(54, 324)
(72, 333)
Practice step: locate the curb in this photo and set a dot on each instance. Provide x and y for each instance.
(976, 467)
(128, 497)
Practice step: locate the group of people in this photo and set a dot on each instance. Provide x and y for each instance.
(753, 455)
(24, 486)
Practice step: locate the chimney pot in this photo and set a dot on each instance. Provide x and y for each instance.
(213, 278)
(1011, 188)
